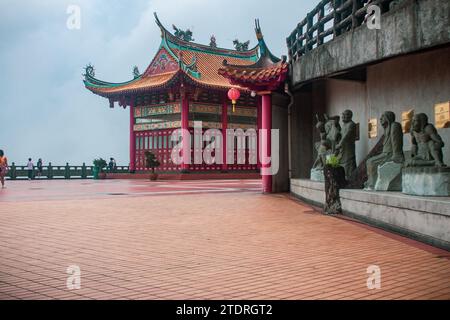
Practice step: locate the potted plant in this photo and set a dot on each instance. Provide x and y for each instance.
(151, 163)
(99, 165)
(334, 180)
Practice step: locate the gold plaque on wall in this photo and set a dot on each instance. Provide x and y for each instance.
(373, 128)
(407, 117)
(442, 115)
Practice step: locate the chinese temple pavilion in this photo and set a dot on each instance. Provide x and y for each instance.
(187, 82)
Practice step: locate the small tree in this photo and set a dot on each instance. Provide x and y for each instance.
(151, 162)
(100, 164)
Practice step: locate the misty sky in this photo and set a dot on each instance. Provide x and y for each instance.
(46, 111)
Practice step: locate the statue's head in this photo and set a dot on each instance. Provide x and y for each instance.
(387, 118)
(419, 122)
(347, 116)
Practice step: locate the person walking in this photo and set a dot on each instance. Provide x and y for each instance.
(30, 167)
(3, 168)
(40, 168)
(111, 165)
(114, 164)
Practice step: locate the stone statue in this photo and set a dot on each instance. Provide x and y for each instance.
(333, 130)
(330, 135)
(323, 146)
(427, 144)
(425, 173)
(392, 148)
(346, 145)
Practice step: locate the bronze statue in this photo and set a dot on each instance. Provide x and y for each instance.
(346, 145)
(427, 144)
(392, 148)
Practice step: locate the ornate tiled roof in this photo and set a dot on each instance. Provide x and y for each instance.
(175, 59)
(256, 78)
(268, 73)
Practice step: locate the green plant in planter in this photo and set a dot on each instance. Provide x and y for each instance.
(333, 161)
(99, 165)
(151, 162)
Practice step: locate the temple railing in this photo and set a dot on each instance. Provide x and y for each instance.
(60, 172)
(328, 20)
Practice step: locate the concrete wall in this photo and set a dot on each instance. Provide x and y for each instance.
(412, 26)
(416, 82)
(280, 182)
(307, 102)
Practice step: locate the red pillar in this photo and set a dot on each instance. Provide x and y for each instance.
(258, 126)
(132, 139)
(185, 126)
(224, 134)
(266, 123)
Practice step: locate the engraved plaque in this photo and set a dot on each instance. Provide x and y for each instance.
(373, 128)
(442, 115)
(407, 117)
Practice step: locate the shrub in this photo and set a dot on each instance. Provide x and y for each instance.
(333, 161)
(100, 164)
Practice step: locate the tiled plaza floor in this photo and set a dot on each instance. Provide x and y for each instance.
(198, 240)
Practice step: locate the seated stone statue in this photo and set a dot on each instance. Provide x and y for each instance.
(392, 148)
(427, 144)
(346, 145)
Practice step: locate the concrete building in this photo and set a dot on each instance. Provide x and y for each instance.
(338, 62)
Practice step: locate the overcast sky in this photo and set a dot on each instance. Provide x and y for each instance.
(45, 110)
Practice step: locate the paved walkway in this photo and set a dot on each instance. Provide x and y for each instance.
(198, 240)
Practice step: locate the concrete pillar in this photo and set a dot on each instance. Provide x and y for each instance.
(132, 139)
(266, 124)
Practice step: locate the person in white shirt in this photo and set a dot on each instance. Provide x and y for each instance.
(30, 167)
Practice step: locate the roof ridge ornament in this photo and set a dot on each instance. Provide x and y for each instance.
(258, 31)
(185, 35)
(89, 71)
(213, 41)
(241, 46)
(136, 73)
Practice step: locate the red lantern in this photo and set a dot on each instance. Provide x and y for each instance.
(234, 95)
